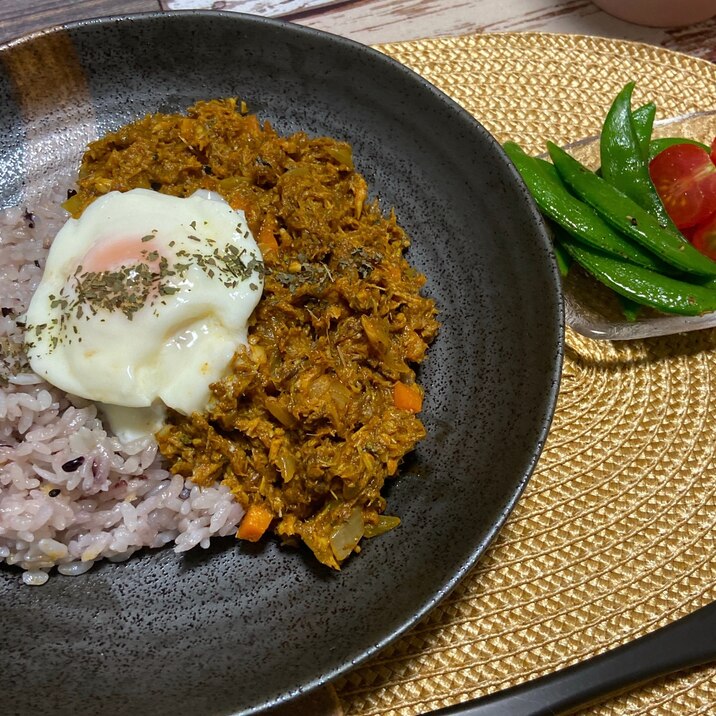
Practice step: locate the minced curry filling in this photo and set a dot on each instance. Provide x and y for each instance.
(322, 406)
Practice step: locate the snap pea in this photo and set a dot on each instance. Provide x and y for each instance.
(555, 201)
(630, 308)
(639, 284)
(625, 215)
(562, 258)
(623, 159)
(659, 145)
(643, 123)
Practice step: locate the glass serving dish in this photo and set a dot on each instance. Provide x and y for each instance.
(594, 310)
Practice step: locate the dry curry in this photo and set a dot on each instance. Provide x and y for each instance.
(322, 406)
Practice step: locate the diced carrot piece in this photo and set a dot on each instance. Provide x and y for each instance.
(267, 238)
(407, 397)
(238, 201)
(254, 523)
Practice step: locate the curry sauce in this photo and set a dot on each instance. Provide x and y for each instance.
(322, 406)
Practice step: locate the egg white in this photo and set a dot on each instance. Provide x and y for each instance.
(86, 333)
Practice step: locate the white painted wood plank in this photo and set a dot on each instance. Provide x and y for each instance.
(267, 8)
(376, 21)
(379, 21)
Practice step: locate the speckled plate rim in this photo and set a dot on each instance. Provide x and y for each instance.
(552, 381)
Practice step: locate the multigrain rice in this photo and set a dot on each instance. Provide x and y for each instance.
(70, 493)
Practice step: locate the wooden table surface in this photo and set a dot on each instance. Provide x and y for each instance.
(376, 21)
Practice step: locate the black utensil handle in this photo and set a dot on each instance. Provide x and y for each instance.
(686, 642)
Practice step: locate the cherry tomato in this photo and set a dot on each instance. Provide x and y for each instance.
(704, 238)
(685, 179)
(713, 151)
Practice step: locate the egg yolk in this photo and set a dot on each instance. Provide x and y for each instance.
(113, 253)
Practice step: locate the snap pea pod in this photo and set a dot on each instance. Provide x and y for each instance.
(643, 123)
(555, 201)
(623, 160)
(630, 308)
(563, 259)
(625, 215)
(639, 284)
(659, 145)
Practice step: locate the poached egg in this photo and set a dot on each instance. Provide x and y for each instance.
(143, 301)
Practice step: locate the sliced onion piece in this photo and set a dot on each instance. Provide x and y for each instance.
(345, 539)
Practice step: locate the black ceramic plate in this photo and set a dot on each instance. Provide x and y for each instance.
(235, 629)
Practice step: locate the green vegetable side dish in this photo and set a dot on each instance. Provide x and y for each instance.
(613, 223)
(628, 217)
(623, 159)
(630, 308)
(564, 260)
(556, 202)
(643, 123)
(641, 285)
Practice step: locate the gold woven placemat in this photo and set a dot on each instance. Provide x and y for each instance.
(614, 535)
